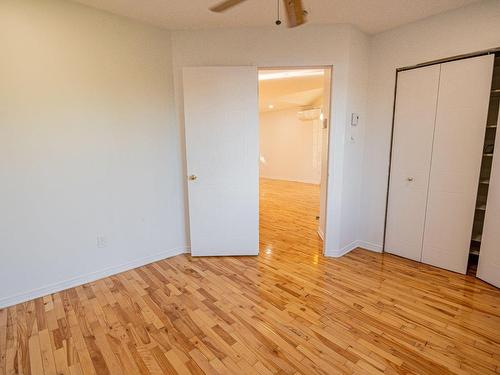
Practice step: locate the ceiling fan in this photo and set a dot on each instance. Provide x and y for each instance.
(294, 10)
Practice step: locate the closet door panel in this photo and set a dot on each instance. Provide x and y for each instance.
(488, 268)
(461, 115)
(414, 117)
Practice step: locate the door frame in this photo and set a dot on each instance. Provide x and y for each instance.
(328, 89)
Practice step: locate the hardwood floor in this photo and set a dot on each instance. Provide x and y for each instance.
(289, 310)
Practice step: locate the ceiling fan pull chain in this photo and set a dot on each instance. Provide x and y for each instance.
(278, 21)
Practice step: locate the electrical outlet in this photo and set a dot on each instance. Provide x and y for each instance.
(101, 241)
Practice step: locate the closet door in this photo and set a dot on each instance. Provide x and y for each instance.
(462, 109)
(414, 117)
(488, 268)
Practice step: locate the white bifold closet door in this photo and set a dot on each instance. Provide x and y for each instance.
(488, 268)
(439, 128)
(414, 117)
(462, 111)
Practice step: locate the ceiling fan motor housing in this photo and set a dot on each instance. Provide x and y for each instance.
(295, 12)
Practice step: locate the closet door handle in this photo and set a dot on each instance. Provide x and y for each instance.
(410, 179)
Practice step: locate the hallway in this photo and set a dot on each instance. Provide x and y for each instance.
(288, 222)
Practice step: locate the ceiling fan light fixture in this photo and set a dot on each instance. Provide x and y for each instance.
(295, 12)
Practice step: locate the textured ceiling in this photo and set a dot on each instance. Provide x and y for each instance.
(370, 16)
(298, 92)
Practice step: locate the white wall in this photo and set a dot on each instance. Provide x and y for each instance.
(473, 28)
(350, 215)
(290, 149)
(280, 47)
(88, 146)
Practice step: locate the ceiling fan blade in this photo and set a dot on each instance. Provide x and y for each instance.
(225, 5)
(295, 12)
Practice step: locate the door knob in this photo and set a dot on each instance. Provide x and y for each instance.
(410, 179)
(192, 177)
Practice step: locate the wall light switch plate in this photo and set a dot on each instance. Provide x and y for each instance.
(354, 119)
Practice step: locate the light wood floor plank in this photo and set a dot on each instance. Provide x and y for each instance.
(289, 310)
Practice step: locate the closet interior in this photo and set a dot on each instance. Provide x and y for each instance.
(486, 166)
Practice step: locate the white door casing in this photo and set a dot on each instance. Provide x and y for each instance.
(325, 133)
(222, 152)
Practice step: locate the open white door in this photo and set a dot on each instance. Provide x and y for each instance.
(222, 148)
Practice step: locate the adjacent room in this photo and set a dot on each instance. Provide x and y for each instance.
(293, 140)
(249, 187)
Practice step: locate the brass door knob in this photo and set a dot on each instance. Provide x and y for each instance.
(192, 177)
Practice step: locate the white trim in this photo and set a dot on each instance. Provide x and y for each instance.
(321, 234)
(370, 246)
(89, 277)
(353, 245)
(229, 253)
(343, 251)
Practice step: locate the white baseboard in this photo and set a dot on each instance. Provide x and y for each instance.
(353, 245)
(343, 251)
(87, 278)
(370, 246)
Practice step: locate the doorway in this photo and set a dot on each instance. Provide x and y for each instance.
(294, 108)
